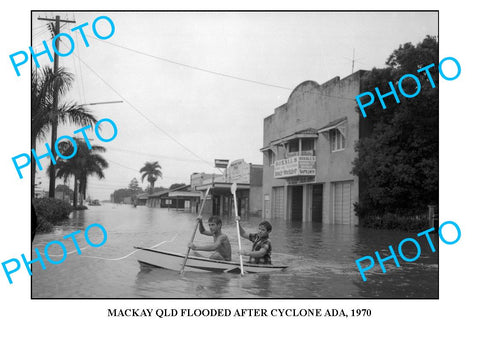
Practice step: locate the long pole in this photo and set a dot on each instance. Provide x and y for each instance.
(51, 186)
(234, 190)
(194, 231)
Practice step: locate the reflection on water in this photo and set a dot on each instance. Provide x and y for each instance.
(321, 260)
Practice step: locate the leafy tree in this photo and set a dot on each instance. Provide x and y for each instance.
(151, 170)
(398, 162)
(177, 185)
(120, 194)
(158, 189)
(134, 187)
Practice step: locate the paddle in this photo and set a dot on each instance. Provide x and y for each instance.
(233, 189)
(194, 231)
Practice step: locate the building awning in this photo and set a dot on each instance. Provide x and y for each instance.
(306, 133)
(158, 194)
(224, 185)
(165, 193)
(266, 148)
(183, 194)
(338, 124)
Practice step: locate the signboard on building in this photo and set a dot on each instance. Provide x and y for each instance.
(300, 180)
(198, 179)
(295, 166)
(238, 172)
(221, 163)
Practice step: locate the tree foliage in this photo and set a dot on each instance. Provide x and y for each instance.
(44, 116)
(176, 185)
(153, 171)
(398, 162)
(86, 162)
(120, 194)
(134, 187)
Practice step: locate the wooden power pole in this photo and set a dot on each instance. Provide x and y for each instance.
(57, 20)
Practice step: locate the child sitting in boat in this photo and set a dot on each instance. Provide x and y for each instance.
(262, 247)
(221, 245)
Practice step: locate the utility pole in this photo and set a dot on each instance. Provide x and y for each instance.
(51, 187)
(353, 60)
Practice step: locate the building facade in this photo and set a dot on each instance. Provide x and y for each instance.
(308, 153)
(248, 177)
(182, 198)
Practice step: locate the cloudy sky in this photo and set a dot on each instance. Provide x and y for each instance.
(177, 74)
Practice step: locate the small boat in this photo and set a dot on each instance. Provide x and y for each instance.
(174, 261)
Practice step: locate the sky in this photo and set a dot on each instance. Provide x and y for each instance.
(183, 116)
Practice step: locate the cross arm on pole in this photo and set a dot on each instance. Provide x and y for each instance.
(60, 20)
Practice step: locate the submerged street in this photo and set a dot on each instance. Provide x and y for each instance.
(321, 260)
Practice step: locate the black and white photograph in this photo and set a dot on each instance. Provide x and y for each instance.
(234, 154)
(199, 170)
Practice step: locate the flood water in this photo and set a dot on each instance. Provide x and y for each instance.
(321, 260)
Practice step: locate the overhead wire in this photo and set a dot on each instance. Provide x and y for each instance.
(155, 155)
(136, 170)
(211, 71)
(79, 65)
(143, 115)
(194, 67)
(40, 33)
(79, 87)
(81, 61)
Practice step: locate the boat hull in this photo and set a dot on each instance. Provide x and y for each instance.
(174, 261)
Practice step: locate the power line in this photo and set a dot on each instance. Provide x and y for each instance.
(80, 66)
(195, 67)
(40, 33)
(143, 115)
(137, 171)
(155, 155)
(38, 27)
(213, 72)
(79, 88)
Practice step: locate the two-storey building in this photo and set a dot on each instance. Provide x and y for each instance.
(308, 153)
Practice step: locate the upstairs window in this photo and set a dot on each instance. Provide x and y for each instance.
(336, 133)
(308, 146)
(337, 140)
(293, 145)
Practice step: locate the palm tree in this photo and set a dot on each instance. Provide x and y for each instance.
(85, 163)
(92, 164)
(151, 170)
(44, 117)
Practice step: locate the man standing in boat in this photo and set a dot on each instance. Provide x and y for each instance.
(221, 245)
(262, 247)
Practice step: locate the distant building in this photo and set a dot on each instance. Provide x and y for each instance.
(182, 198)
(248, 177)
(157, 200)
(142, 199)
(308, 147)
